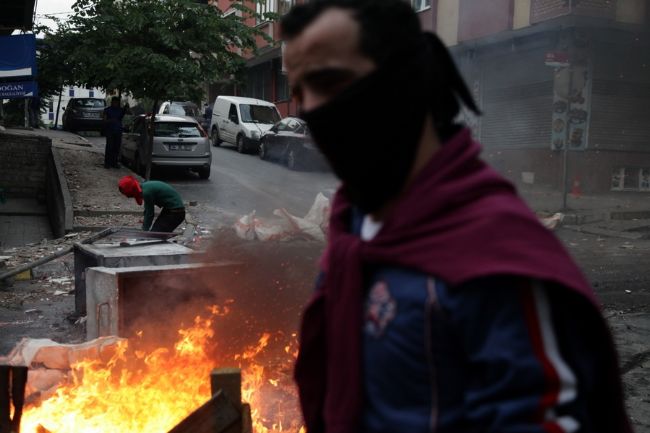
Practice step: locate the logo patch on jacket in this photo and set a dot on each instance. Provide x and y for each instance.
(380, 309)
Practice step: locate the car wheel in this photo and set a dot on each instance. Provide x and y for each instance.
(204, 172)
(292, 160)
(263, 153)
(214, 137)
(240, 144)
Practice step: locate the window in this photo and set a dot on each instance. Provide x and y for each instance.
(282, 126)
(50, 106)
(630, 179)
(285, 5)
(88, 103)
(258, 114)
(262, 8)
(233, 112)
(71, 91)
(420, 5)
(293, 125)
(91, 93)
(177, 129)
(183, 110)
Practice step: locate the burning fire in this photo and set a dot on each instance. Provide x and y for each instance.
(151, 391)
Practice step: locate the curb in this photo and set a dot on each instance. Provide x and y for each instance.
(65, 192)
(99, 213)
(608, 233)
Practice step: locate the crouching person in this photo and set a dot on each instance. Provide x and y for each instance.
(155, 193)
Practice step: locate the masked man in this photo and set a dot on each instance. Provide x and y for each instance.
(155, 193)
(443, 305)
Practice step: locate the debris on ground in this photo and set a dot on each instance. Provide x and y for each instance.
(109, 220)
(552, 222)
(17, 256)
(312, 226)
(50, 362)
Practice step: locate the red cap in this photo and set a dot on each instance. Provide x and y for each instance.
(130, 187)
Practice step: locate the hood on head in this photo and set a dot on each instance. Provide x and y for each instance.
(130, 187)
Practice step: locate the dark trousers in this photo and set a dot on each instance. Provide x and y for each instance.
(168, 220)
(112, 151)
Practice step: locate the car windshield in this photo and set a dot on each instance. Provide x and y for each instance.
(258, 114)
(183, 110)
(177, 129)
(89, 103)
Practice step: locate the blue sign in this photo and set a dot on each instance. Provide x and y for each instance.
(18, 89)
(17, 56)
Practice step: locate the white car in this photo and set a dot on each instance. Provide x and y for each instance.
(241, 121)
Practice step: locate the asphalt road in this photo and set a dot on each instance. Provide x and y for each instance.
(241, 183)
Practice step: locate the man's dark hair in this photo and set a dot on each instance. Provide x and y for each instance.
(115, 99)
(387, 26)
(391, 31)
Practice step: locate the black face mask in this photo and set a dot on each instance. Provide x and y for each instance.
(370, 134)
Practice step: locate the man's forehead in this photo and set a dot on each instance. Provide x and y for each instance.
(333, 36)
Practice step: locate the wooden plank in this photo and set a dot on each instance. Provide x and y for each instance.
(5, 419)
(229, 381)
(216, 416)
(18, 384)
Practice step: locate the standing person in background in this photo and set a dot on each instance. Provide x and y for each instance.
(113, 116)
(155, 193)
(443, 304)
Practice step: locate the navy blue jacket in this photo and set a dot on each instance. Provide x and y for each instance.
(501, 354)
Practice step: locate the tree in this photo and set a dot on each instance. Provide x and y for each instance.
(155, 49)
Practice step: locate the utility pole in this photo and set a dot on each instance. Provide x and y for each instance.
(565, 153)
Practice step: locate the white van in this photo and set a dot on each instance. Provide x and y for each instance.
(241, 121)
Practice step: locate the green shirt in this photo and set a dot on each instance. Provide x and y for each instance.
(159, 194)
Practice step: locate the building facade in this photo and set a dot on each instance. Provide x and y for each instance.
(550, 74)
(264, 77)
(547, 74)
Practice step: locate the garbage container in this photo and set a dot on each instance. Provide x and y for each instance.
(114, 254)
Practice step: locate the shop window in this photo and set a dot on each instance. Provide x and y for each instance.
(420, 5)
(631, 179)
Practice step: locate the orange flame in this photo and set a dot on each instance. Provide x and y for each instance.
(153, 390)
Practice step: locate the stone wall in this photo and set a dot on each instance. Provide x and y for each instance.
(23, 165)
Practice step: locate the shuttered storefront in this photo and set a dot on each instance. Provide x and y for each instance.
(620, 116)
(518, 117)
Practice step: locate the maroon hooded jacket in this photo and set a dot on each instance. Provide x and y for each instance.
(458, 221)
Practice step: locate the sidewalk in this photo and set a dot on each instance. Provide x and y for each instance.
(612, 205)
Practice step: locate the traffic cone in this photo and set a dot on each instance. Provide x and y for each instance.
(576, 190)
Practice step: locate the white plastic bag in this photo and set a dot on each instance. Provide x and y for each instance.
(245, 226)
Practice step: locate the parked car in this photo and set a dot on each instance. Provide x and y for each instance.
(179, 142)
(241, 121)
(289, 141)
(84, 114)
(184, 108)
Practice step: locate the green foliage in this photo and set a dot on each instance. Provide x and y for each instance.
(156, 49)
